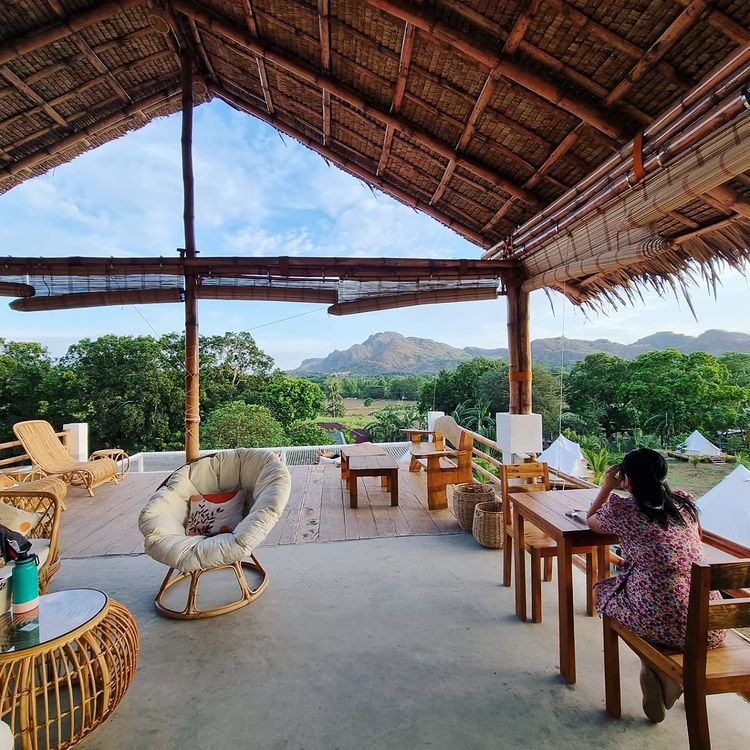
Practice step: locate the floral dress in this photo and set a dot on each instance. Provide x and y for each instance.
(650, 596)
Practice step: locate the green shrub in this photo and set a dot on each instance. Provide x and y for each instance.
(308, 433)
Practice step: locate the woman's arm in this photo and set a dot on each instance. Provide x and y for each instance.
(610, 481)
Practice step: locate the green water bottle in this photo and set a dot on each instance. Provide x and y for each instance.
(24, 584)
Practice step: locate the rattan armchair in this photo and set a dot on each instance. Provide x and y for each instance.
(164, 519)
(48, 454)
(43, 496)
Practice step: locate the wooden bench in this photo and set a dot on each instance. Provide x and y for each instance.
(383, 466)
(450, 464)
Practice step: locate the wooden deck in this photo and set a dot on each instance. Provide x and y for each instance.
(318, 511)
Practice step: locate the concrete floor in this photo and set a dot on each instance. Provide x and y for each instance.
(384, 643)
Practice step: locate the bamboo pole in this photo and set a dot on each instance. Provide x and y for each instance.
(721, 82)
(192, 393)
(519, 349)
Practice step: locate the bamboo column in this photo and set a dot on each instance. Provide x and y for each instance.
(519, 349)
(192, 396)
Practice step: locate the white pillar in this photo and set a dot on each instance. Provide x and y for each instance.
(518, 435)
(78, 440)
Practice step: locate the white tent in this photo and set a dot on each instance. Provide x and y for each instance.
(725, 509)
(697, 445)
(566, 456)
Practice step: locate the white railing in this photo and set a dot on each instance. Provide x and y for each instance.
(295, 455)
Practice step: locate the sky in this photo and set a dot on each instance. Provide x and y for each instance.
(259, 193)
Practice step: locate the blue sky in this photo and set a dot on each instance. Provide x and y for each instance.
(258, 193)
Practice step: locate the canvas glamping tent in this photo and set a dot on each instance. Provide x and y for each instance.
(698, 445)
(725, 509)
(565, 455)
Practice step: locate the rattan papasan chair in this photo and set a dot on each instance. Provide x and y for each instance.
(164, 519)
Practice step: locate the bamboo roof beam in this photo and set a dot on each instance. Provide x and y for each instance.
(658, 49)
(91, 83)
(354, 169)
(22, 45)
(356, 269)
(485, 95)
(274, 293)
(731, 200)
(29, 93)
(429, 24)
(728, 26)
(585, 23)
(324, 26)
(407, 45)
(350, 96)
(252, 27)
(14, 289)
(96, 128)
(411, 299)
(76, 300)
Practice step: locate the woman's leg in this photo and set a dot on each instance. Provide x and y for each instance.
(653, 695)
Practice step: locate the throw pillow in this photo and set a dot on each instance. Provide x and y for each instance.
(22, 521)
(216, 513)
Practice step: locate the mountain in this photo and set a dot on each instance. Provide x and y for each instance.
(390, 353)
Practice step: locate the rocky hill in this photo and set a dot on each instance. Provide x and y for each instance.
(391, 353)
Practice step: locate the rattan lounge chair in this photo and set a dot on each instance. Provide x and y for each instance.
(43, 496)
(48, 454)
(165, 516)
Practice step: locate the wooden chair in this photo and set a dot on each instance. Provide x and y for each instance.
(48, 454)
(443, 471)
(699, 671)
(44, 496)
(534, 477)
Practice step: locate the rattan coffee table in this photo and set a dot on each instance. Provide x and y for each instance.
(63, 671)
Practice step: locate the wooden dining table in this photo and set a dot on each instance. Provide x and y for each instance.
(550, 512)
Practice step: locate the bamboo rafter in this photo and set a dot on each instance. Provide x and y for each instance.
(348, 95)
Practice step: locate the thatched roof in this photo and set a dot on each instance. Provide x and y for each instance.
(481, 113)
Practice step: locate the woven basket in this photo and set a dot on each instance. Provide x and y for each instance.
(465, 497)
(489, 529)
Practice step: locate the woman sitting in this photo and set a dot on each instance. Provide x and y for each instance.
(660, 540)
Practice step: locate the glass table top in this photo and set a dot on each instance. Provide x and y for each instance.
(58, 614)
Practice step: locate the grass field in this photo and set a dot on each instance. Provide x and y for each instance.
(359, 415)
(696, 479)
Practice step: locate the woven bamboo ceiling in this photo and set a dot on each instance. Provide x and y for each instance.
(493, 117)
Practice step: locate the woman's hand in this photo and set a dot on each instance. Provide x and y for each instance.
(612, 478)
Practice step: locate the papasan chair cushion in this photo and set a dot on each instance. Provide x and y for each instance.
(164, 519)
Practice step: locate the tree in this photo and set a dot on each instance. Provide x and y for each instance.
(388, 421)
(335, 402)
(449, 389)
(293, 399)
(24, 369)
(593, 392)
(675, 392)
(129, 393)
(493, 386)
(232, 367)
(240, 425)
